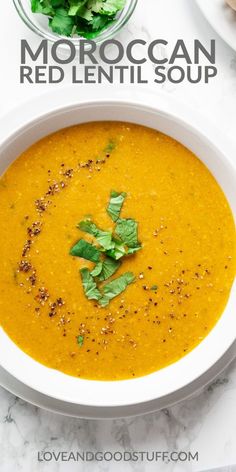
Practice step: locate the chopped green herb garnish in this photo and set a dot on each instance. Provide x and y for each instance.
(104, 238)
(118, 251)
(85, 250)
(80, 340)
(133, 250)
(154, 288)
(110, 147)
(116, 287)
(108, 255)
(115, 204)
(127, 230)
(97, 269)
(15, 276)
(90, 287)
(104, 270)
(82, 17)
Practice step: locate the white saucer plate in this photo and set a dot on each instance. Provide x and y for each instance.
(222, 18)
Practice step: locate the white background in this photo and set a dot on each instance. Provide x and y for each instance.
(205, 423)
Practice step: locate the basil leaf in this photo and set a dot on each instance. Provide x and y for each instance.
(127, 230)
(85, 250)
(104, 270)
(104, 238)
(115, 204)
(116, 287)
(90, 288)
(80, 340)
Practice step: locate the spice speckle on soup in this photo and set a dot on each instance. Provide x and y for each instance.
(117, 249)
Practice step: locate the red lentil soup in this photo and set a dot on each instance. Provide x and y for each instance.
(181, 273)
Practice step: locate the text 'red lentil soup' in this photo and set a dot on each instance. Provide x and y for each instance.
(117, 249)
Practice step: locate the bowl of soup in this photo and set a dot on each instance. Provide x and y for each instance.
(118, 253)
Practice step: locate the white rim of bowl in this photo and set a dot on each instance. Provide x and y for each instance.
(184, 371)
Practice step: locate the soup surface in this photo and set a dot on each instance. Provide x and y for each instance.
(183, 272)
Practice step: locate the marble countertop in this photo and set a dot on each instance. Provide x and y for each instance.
(204, 423)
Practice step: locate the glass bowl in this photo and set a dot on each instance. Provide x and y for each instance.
(38, 23)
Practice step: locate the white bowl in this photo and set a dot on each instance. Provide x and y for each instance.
(46, 115)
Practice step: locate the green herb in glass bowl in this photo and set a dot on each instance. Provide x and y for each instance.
(87, 18)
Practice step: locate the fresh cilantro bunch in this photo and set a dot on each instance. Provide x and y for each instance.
(85, 18)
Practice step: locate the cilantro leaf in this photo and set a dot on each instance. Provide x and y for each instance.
(34, 5)
(80, 340)
(111, 7)
(154, 287)
(75, 6)
(85, 250)
(110, 146)
(133, 250)
(116, 287)
(127, 230)
(90, 287)
(97, 269)
(118, 251)
(56, 3)
(104, 270)
(85, 13)
(112, 248)
(95, 5)
(115, 205)
(84, 17)
(98, 22)
(104, 238)
(61, 23)
(42, 6)
(106, 7)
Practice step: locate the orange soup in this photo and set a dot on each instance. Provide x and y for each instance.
(146, 275)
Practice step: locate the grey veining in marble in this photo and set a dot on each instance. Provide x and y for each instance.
(231, 468)
(25, 429)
